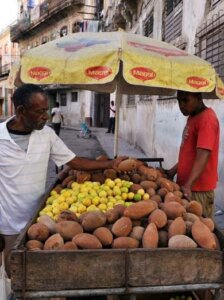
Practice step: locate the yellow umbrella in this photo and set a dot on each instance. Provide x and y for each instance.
(121, 61)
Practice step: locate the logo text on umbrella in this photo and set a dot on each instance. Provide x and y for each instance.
(98, 72)
(143, 73)
(197, 82)
(39, 73)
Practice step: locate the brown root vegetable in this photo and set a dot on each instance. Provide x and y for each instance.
(67, 215)
(69, 246)
(178, 194)
(104, 235)
(137, 232)
(173, 210)
(122, 227)
(87, 241)
(39, 232)
(188, 227)
(156, 198)
(135, 187)
(67, 180)
(190, 217)
(82, 176)
(125, 243)
(140, 209)
(203, 236)
(68, 229)
(34, 245)
(136, 178)
(195, 207)
(158, 217)
(181, 241)
(151, 192)
(54, 242)
(209, 223)
(46, 220)
(165, 183)
(120, 208)
(58, 188)
(147, 184)
(178, 227)
(102, 157)
(150, 237)
(99, 177)
(162, 192)
(127, 165)
(110, 173)
(149, 173)
(93, 220)
(112, 215)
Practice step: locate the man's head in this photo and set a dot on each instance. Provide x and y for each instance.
(31, 106)
(190, 103)
(57, 104)
(112, 103)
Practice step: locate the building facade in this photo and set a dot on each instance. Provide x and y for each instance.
(9, 54)
(156, 124)
(42, 21)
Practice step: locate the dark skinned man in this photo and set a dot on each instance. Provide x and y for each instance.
(198, 156)
(26, 146)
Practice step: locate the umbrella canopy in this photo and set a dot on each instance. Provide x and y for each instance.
(121, 61)
(98, 61)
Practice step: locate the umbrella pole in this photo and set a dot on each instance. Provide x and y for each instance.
(118, 102)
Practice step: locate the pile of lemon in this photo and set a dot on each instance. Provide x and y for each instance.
(92, 196)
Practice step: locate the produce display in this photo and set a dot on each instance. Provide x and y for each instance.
(136, 206)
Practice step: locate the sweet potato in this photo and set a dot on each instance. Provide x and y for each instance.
(195, 207)
(69, 246)
(150, 237)
(181, 241)
(54, 242)
(47, 221)
(203, 236)
(82, 176)
(87, 241)
(146, 184)
(140, 209)
(110, 173)
(125, 243)
(137, 232)
(104, 235)
(112, 215)
(127, 165)
(208, 222)
(39, 232)
(178, 227)
(165, 183)
(93, 220)
(67, 215)
(173, 210)
(34, 245)
(122, 227)
(68, 229)
(158, 217)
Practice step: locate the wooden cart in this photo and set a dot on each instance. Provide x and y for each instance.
(38, 274)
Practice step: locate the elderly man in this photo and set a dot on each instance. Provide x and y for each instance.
(25, 149)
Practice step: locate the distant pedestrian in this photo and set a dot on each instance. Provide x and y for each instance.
(111, 126)
(57, 118)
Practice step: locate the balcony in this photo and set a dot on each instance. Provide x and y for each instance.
(49, 10)
(4, 70)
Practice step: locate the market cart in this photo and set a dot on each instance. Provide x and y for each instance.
(38, 274)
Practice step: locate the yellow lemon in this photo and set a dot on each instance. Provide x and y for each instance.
(117, 180)
(116, 191)
(120, 202)
(110, 183)
(92, 208)
(53, 193)
(102, 207)
(70, 200)
(63, 206)
(141, 192)
(87, 202)
(124, 189)
(110, 205)
(124, 196)
(146, 196)
(103, 200)
(96, 200)
(130, 195)
(73, 209)
(61, 199)
(81, 208)
(102, 194)
(49, 214)
(56, 210)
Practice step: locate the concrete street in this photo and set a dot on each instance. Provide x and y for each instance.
(103, 143)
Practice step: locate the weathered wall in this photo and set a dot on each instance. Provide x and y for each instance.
(156, 126)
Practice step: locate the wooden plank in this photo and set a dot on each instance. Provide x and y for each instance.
(59, 270)
(171, 266)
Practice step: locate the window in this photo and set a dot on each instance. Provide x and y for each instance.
(63, 99)
(210, 42)
(131, 100)
(148, 26)
(75, 27)
(44, 40)
(74, 97)
(63, 31)
(53, 36)
(173, 14)
(170, 5)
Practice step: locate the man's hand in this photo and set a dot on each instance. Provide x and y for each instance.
(186, 189)
(117, 161)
